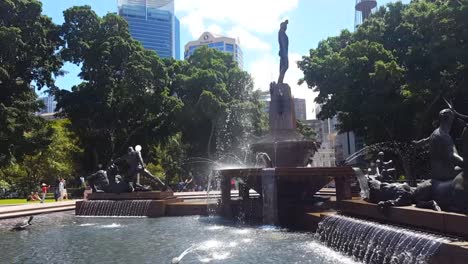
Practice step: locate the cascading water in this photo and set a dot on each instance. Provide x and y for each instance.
(213, 184)
(270, 197)
(137, 208)
(376, 243)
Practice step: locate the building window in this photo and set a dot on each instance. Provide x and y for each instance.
(229, 47)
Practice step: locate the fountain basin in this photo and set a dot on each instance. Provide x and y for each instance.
(281, 187)
(292, 153)
(296, 181)
(286, 148)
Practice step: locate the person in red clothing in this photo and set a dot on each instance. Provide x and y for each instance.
(44, 188)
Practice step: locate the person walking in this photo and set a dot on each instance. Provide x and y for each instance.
(44, 189)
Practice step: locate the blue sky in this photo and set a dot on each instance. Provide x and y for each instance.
(254, 22)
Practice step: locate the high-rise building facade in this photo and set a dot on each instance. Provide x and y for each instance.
(300, 106)
(325, 134)
(342, 145)
(300, 109)
(221, 43)
(153, 23)
(49, 104)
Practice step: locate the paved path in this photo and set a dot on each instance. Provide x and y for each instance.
(33, 209)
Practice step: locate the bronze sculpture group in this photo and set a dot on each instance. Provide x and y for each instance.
(445, 190)
(112, 180)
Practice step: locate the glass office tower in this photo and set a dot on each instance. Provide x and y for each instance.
(154, 24)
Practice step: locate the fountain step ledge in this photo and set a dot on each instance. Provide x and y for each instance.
(34, 209)
(441, 222)
(156, 195)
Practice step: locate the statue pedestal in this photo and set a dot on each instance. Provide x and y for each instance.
(281, 113)
(284, 145)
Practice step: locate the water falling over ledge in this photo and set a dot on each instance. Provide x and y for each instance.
(134, 208)
(371, 242)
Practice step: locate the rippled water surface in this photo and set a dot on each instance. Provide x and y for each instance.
(64, 238)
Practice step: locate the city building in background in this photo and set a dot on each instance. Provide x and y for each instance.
(48, 110)
(153, 23)
(363, 10)
(300, 105)
(49, 104)
(221, 43)
(300, 109)
(335, 147)
(325, 134)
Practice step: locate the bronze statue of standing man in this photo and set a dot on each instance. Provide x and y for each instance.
(283, 52)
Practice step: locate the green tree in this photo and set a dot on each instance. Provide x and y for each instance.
(59, 159)
(28, 45)
(386, 81)
(123, 99)
(306, 131)
(170, 157)
(220, 108)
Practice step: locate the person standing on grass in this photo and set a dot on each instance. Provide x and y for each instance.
(44, 189)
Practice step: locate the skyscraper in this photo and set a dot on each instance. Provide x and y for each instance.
(154, 24)
(300, 108)
(299, 105)
(221, 43)
(49, 104)
(363, 10)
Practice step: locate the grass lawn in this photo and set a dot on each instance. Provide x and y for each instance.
(21, 201)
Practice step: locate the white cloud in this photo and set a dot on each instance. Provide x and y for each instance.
(261, 16)
(214, 28)
(195, 24)
(247, 40)
(264, 71)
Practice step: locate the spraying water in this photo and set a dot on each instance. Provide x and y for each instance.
(181, 256)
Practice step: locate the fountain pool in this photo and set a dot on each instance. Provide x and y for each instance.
(64, 238)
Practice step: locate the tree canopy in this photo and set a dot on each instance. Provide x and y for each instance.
(205, 106)
(123, 99)
(220, 109)
(60, 159)
(386, 81)
(28, 60)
